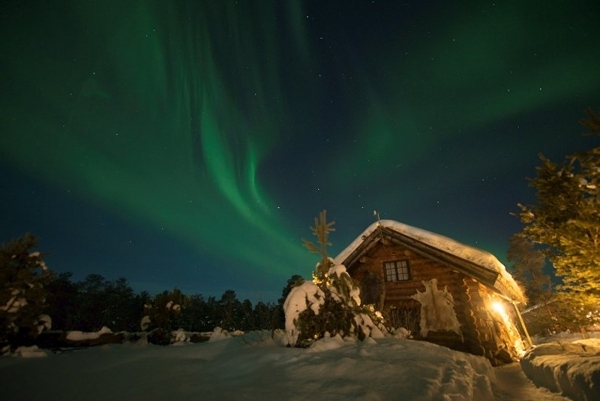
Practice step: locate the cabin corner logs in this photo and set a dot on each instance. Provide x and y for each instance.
(494, 334)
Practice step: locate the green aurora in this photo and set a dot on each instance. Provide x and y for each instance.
(229, 124)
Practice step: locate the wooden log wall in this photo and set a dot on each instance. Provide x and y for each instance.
(479, 329)
(484, 322)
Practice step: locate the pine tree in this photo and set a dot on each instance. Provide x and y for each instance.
(321, 230)
(23, 277)
(527, 269)
(544, 314)
(566, 222)
(231, 311)
(62, 301)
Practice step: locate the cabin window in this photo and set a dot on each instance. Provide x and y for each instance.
(397, 270)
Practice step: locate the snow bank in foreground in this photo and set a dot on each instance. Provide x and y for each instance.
(570, 368)
(253, 367)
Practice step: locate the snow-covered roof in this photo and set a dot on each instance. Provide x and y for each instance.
(485, 261)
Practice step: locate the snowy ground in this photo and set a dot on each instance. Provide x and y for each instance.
(570, 368)
(256, 367)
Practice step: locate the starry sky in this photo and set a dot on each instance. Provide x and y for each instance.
(191, 143)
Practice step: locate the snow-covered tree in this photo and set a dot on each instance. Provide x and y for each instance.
(161, 315)
(232, 312)
(543, 315)
(23, 276)
(566, 222)
(527, 268)
(329, 304)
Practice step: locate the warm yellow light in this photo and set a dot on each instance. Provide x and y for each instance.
(498, 307)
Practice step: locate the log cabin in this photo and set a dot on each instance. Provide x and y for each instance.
(441, 290)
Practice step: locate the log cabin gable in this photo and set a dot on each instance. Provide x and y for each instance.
(481, 274)
(385, 237)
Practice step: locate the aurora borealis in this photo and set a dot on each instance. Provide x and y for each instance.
(191, 143)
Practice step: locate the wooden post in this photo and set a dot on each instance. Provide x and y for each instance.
(522, 324)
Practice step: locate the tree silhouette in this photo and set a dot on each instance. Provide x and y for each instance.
(566, 223)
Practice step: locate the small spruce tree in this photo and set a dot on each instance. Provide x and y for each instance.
(321, 230)
(330, 304)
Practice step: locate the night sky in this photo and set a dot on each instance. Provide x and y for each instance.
(191, 143)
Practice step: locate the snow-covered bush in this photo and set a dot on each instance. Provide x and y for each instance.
(179, 336)
(330, 304)
(163, 311)
(43, 323)
(304, 297)
(160, 316)
(145, 323)
(401, 332)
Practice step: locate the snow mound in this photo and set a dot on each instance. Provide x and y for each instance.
(220, 334)
(76, 335)
(401, 332)
(570, 368)
(30, 352)
(327, 343)
(180, 336)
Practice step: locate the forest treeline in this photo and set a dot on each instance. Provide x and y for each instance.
(31, 293)
(97, 302)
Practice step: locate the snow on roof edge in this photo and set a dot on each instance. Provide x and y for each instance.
(505, 282)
